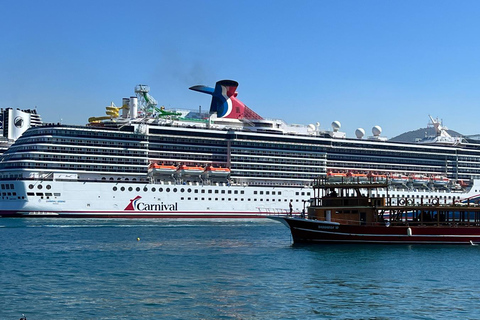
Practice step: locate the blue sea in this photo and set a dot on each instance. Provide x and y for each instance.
(223, 269)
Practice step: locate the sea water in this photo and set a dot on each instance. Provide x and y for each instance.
(223, 269)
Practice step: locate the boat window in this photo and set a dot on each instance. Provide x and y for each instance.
(130, 188)
(160, 189)
(153, 189)
(122, 188)
(174, 189)
(167, 190)
(145, 189)
(114, 188)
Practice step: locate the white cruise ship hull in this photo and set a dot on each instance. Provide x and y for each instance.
(144, 200)
(123, 200)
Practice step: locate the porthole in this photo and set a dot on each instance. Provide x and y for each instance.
(153, 189)
(189, 190)
(145, 189)
(30, 186)
(138, 189)
(182, 190)
(49, 187)
(130, 188)
(160, 189)
(114, 188)
(174, 189)
(39, 186)
(167, 190)
(122, 188)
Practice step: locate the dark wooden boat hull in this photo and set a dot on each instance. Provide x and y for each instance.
(314, 231)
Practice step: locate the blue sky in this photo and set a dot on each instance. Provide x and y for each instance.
(364, 63)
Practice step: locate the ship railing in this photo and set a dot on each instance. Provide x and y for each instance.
(274, 211)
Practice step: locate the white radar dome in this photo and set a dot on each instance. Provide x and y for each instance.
(336, 125)
(311, 128)
(377, 131)
(360, 132)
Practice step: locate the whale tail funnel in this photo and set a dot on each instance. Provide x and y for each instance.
(224, 101)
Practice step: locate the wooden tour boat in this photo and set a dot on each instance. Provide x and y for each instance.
(364, 213)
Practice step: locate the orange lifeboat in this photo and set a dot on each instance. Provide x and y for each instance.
(420, 179)
(376, 177)
(355, 176)
(216, 172)
(398, 178)
(189, 170)
(156, 168)
(440, 180)
(336, 176)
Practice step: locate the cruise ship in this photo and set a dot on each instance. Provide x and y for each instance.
(140, 160)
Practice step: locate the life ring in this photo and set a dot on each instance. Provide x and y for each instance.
(435, 201)
(409, 202)
(401, 202)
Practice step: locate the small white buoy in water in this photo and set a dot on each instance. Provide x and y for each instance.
(138, 239)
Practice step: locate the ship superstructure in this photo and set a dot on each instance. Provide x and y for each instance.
(141, 160)
(13, 123)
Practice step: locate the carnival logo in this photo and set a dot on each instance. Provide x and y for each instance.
(137, 205)
(18, 121)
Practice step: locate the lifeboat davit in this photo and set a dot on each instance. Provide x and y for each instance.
(211, 171)
(156, 168)
(189, 170)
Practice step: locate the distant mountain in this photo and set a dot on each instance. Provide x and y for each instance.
(415, 135)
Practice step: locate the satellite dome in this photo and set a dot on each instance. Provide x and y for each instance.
(360, 132)
(377, 131)
(311, 128)
(336, 125)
